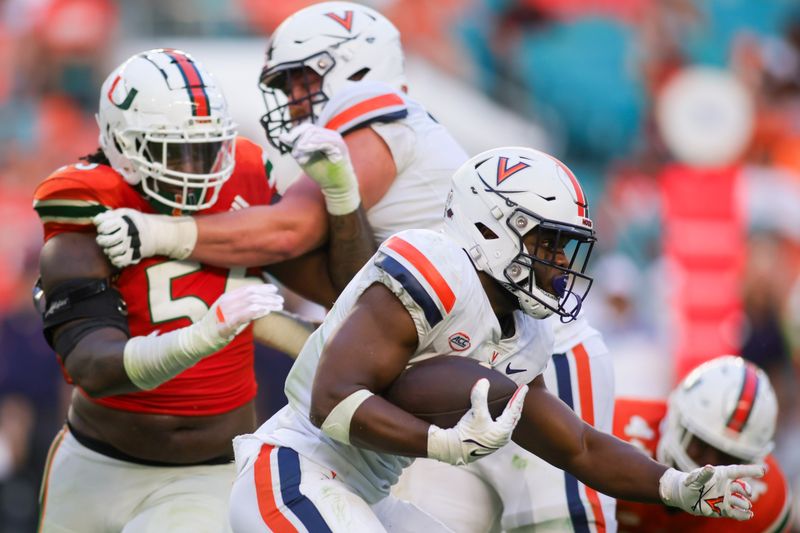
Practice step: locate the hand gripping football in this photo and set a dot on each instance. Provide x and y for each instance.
(437, 390)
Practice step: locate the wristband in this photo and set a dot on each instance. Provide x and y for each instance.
(337, 423)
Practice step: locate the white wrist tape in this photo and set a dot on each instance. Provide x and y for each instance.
(174, 237)
(339, 185)
(283, 331)
(445, 445)
(337, 424)
(669, 485)
(152, 360)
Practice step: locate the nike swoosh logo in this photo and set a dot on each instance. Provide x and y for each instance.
(510, 370)
(480, 453)
(477, 452)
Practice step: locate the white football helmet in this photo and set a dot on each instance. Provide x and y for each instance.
(165, 126)
(339, 41)
(501, 195)
(727, 403)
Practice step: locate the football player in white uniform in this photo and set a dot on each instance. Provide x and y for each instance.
(332, 70)
(505, 490)
(513, 249)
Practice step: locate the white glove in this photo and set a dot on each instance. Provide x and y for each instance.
(324, 157)
(476, 434)
(127, 236)
(716, 491)
(150, 361)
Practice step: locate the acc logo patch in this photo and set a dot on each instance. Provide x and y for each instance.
(459, 341)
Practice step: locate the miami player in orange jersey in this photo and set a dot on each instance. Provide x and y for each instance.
(161, 353)
(722, 413)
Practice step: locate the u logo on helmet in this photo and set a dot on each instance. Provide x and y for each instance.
(346, 22)
(504, 172)
(126, 103)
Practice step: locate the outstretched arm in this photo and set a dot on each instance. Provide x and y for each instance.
(262, 235)
(552, 431)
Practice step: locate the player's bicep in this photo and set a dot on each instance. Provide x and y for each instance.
(88, 332)
(373, 164)
(549, 428)
(368, 351)
(70, 256)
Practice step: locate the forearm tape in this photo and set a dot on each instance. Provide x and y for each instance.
(175, 237)
(337, 424)
(283, 331)
(340, 186)
(152, 360)
(445, 445)
(669, 487)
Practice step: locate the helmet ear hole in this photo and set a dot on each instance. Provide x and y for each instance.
(359, 75)
(116, 143)
(487, 233)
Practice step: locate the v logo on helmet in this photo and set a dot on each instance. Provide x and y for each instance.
(346, 22)
(504, 172)
(126, 103)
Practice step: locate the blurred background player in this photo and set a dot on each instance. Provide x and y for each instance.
(514, 246)
(159, 352)
(337, 65)
(723, 412)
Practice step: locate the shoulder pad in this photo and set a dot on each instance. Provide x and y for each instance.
(358, 104)
(69, 198)
(427, 266)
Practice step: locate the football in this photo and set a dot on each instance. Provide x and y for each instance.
(437, 390)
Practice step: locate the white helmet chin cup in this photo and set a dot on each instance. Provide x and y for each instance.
(165, 127)
(340, 42)
(727, 403)
(500, 196)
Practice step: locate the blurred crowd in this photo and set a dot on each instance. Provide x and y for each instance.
(695, 259)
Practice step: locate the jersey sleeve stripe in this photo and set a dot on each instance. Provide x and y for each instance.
(413, 287)
(376, 106)
(265, 493)
(67, 212)
(426, 268)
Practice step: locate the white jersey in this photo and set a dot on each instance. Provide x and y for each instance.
(438, 285)
(424, 153)
(532, 491)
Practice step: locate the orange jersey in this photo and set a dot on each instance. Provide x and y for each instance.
(163, 294)
(638, 421)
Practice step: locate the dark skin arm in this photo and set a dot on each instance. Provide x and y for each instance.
(307, 276)
(548, 428)
(551, 430)
(95, 364)
(351, 241)
(383, 354)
